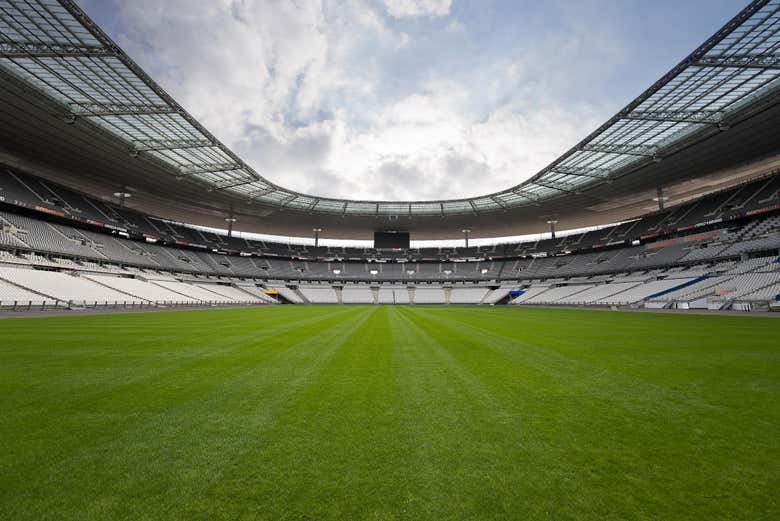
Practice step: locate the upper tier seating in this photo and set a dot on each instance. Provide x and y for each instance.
(760, 194)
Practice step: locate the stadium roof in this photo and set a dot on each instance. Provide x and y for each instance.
(52, 47)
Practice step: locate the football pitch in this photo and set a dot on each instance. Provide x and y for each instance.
(383, 413)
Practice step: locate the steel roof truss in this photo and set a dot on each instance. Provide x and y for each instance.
(582, 171)
(118, 109)
(209, 168)
(33, 49)
(232, 185)
(622, 149)
(152, 145)
(678, 116)
(741, 61)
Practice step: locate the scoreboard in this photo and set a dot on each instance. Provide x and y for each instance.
(391, 240)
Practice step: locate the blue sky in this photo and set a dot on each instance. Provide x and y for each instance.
(405, 99)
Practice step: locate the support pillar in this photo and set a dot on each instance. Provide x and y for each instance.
(466, 232)
(552, 223)
(316, 236)
(660, 197)
(230, 220)
(122, 196)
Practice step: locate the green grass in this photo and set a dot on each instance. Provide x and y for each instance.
(310, 413)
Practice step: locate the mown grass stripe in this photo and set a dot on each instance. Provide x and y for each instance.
(361, 412)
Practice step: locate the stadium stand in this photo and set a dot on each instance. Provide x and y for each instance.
(139, 288)
(191, 292)
(497, 294)
(65, 288)
(353, 294)
(317, 294)
(230, 293)
(13, 295)
(429, 295)
(467, 295)
(718, 266)
(712, 243)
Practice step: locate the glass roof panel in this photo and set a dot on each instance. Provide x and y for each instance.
(58, 50)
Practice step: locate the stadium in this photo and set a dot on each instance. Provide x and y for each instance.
(183, 338)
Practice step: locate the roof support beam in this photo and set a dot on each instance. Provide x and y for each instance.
(152, 145)
(261, 192)
(209, 168)
(622, 149)
(582, 171)
(118, 109)
(231, 185)
(32, 49)
(289, 199)
(528, 195)
(498, 201)
(678, 116)
(473, 207)
(741, 61)
(555, 186)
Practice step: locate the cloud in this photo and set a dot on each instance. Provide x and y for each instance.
(415, 8)
(335, 98)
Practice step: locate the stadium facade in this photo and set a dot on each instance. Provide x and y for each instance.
(99, 163)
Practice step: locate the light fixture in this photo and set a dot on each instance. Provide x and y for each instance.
(484, 270)
(336, 271)
(122, 195)
(410, 272)
(230, 219)
(552, 221)
(447, 272)
(373, 272)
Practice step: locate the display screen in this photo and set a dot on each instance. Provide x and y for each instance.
(391, 240)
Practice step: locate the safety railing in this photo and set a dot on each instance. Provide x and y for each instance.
(35, 305)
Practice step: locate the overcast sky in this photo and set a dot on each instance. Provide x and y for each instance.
(405, 99)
